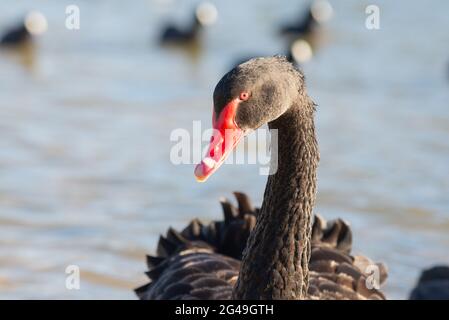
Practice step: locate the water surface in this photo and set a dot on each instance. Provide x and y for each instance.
(86, 116)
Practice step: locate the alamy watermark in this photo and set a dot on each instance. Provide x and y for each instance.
(72, 281)
(210, 145)
(373, 277)
(372, 21)
(72, 20)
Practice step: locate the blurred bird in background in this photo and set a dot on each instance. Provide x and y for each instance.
(17, 40)
(34, 24)
(302, 36)
(433, 284)
(317, 13)
(205, 15)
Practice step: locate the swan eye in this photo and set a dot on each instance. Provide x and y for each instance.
(244, 96)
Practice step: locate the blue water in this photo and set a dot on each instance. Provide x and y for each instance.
(86, 116)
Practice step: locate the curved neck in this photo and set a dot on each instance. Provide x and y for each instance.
(275, 261)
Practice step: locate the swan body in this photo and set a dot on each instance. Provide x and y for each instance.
(203, 260)
(279, 251)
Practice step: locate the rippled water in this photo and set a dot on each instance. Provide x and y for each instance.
(85, 120)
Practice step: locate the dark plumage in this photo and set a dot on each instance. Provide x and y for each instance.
(285, 255)
(204, 259)
(15, 36)
(433, 284)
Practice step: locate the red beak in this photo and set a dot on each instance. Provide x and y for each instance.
(225, 137)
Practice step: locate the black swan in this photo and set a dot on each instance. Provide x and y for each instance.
(34, 23)
(318, 12)
(205, 14)
(274, 252)
(433, 284)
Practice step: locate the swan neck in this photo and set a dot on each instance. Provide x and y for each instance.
(275, 261)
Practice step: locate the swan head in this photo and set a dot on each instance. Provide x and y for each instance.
(250, 95)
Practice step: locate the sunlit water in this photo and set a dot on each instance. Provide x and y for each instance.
(86, 116)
